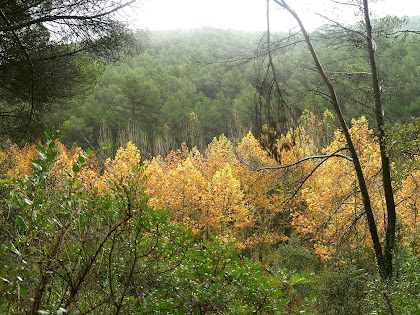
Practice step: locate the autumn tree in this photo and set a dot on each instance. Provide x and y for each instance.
(362, 38)
(334, 212)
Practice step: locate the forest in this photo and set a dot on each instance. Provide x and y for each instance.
(190, 86)
(207, 171)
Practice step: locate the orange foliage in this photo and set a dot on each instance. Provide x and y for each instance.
(180, 190)
(216, 193)
(16, 162)
(231, 191)
(334, 214)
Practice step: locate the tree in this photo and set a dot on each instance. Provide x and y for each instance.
(383, 252)
(334, 213)
(46, 55)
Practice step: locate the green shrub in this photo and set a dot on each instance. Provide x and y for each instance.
(342, 292)
(72, 250)
(402, 294)
(296, 258)
(298, 267)
(213, 279)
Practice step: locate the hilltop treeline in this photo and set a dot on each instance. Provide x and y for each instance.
(191, 86)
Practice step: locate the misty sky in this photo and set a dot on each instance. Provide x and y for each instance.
(249, 15)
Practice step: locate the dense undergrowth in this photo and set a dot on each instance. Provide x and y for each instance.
(78, 240)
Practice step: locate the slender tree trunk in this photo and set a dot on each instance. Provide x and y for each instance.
(384, 262)
(386, 169)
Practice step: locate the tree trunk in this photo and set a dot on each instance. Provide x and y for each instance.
(386, 168)
(384, 260)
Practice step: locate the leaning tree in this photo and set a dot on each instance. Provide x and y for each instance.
(360, 37)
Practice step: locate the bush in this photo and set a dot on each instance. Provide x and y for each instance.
(342, 292)
(76, 250)
(298, 267)
(401, 296)
(296, 258)
(213, 279)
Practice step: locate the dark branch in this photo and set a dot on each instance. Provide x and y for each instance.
(314, 157)
(55, 18)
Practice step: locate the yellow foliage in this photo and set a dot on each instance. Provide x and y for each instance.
(16, 162)
(334, 210)
(122, 168)
(225, 201)
(235, 192)
(216, 192)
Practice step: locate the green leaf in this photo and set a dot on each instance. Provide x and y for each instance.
(46, 251)
(41, 148)
(76, 168)
(105, 146)
(21, 223)
(5, 280)
(48, 134)
(81, 158)
(61, 311)
(88, 152)
(52, 156)
(23, 291)
(299, 279)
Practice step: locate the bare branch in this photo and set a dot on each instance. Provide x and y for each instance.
(349, 73)
(307, 177)
(345, 3)
(314, 157)
(273, 69)
(341, 25)
(56, 18)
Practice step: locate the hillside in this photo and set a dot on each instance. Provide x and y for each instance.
(190, 86)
